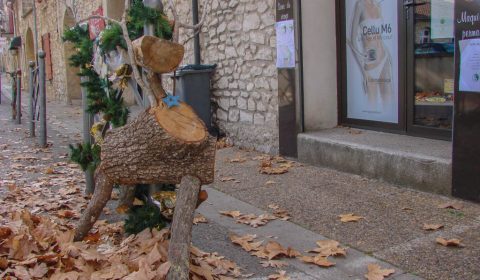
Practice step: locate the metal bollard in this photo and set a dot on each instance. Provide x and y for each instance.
(87, 138)
(19, 96)
(43, 100)
(31, 93)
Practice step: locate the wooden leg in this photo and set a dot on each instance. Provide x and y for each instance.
(179, 250)
(102, 194)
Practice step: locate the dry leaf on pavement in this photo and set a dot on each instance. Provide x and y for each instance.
(276, 250)
(449, 242)
(270, 182)
(274, 264)
(452, 205)
(375, 272)
(282, 275)
(199, 219)
(328, 248)
(432, 226)
(346, 218)
(227, 179)
(232, 214)
(319, 260)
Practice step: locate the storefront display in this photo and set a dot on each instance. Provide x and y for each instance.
(398, 65)
(372, 60)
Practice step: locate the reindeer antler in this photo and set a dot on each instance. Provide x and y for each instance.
(179, 24)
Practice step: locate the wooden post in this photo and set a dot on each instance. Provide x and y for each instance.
(181, 232)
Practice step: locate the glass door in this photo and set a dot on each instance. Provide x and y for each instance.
(430, 67)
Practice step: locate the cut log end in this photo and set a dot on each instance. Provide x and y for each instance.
(181, 122)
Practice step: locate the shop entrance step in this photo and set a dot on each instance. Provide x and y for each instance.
(419, 163)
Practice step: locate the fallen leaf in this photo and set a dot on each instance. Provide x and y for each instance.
(281, 275)
(273, 263)
(227, 179)
(38, 271)
(452, 205)
(4, 232)
(328, 248)
(319, 260)
(67, 214)
(199, 219)
(162, 270)
(138, 202)
(449, 242)
(92, 238)
(49, 171)
(233, 214)
(375, 272)
(268, 183)
(273, 206)
(432, 226)
(346, 218)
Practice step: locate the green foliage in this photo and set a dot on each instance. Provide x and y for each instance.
(86, 155)
(112, 37)
(80, 38)
(115, 112)
(140, 218)
(139, 15)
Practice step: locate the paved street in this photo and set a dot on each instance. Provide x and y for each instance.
(390, 234)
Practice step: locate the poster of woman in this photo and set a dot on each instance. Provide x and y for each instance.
(372, 60)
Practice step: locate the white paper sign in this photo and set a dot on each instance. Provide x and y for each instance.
(285, 44)
(442, 19)
(470, 65)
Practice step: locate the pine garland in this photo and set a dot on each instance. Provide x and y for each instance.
(102, 98)
(86, 155)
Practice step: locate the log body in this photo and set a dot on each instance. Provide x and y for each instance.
(142, 152)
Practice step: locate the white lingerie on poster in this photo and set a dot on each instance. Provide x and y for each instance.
(441, 22)
(285, 44)
(470, 65)
(372, 60)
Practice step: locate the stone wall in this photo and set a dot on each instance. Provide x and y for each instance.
(50, 19)
(239, 36)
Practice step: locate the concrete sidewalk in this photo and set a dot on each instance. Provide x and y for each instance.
(390, 233)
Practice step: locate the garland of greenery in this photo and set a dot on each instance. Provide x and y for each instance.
(102, 98)
(138, 15)
(86, 155)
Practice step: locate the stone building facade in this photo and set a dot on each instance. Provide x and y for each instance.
(238, 36)
(52, 19)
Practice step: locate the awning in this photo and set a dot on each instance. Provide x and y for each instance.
(16, 43)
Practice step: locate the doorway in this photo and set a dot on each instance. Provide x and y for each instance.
(430, 67)
(73, 89)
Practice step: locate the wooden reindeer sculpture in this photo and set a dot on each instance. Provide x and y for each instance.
(162, 145)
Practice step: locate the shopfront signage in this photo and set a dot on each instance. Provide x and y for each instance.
(466, 133)
(372, 60)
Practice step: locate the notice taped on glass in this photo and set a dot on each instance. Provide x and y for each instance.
(469, 65)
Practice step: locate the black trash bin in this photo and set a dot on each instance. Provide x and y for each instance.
(193, 87)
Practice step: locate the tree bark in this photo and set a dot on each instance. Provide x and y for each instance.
(101, 195)
(181, 231)
(143, 152)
